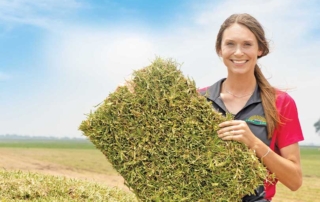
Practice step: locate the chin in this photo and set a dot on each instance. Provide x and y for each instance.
(240, 71)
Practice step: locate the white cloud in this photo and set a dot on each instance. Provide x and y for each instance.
(101, 58)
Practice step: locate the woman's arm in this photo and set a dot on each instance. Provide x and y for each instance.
(286, 167)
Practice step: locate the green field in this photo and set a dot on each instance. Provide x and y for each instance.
(310, 190)
(81, 156)
(47, 143)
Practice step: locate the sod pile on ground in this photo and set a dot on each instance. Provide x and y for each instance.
(160, 135)
(26, 186)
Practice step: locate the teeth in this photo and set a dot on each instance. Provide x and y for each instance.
(239, 61)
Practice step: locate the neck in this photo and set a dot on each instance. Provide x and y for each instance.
(239, 86)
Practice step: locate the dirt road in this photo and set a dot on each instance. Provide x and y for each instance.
(13, 161)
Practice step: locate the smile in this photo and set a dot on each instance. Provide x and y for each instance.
(239, 61)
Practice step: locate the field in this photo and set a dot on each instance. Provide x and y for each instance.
(78, 159)
(74, 159)
(310, 190)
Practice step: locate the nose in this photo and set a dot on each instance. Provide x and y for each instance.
(238, 50)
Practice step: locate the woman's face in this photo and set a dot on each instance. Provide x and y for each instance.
(239, 49)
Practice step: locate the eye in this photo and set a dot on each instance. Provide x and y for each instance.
(247, 44)
(229, 44)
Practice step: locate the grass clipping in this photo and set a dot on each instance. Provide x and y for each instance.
(160, 135)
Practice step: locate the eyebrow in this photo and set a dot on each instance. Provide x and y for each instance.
(251, 41)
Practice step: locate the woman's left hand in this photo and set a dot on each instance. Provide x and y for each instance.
(237, 130)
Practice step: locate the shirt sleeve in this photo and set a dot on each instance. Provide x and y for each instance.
(289, 131)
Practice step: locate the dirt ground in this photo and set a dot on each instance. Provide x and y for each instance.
(8, 161)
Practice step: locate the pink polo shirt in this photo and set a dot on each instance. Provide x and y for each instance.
(286, 134)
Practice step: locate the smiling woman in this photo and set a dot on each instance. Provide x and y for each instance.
(266, 119)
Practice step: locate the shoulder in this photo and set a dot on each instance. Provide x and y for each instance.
(282, 95)
(284, 100)
(212, 91)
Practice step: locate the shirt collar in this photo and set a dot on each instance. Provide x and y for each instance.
(213, 93)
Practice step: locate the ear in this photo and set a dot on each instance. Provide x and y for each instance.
(219, 53)
(260, 53)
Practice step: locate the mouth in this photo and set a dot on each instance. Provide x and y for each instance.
(239, 61)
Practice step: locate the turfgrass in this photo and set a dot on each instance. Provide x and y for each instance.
(161, 136)
(25, 186)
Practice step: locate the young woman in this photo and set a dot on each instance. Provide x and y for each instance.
(265, 119)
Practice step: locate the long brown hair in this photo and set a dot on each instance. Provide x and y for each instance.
(267, 92)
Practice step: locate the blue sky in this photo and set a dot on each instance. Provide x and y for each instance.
(59, 58)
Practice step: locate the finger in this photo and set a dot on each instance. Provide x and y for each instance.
(230, 123)
(230, 136)
(227, 129)
(225, 124)
(238, 132)
(225, 134)
(231, 133)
